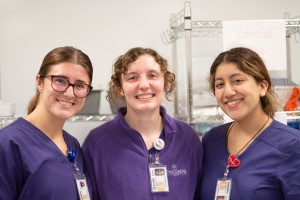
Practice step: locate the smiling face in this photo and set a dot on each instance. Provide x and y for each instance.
(61, 105)
(237, 93)
(143, 85)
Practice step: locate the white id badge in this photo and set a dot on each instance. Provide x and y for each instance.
(223, 189)
(82, 187)
(158, 178)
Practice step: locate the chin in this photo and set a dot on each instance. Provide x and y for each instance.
(66, 115)
(234, 116)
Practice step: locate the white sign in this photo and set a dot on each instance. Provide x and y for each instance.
(266, 37)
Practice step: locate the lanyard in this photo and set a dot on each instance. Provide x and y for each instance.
(157, 171)
(79, 177)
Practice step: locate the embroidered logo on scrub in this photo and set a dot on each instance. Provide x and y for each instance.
(177, 172)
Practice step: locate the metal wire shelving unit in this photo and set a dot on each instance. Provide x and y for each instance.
(181, 25)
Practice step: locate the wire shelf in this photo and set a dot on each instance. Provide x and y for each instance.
(207, 28)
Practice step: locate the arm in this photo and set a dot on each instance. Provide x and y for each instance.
(89, 172)
(10, 170)
(200, 154)
(290, 172)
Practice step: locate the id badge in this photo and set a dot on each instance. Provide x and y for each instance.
(158, 178)
(82, 187)
(223, 189)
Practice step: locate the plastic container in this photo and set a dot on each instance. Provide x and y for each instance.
(7, 109)
(92, 104)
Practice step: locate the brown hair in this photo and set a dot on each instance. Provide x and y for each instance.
(57, 56)
(121, 66)
(252, 64)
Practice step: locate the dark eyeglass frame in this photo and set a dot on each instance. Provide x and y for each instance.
(69, 84)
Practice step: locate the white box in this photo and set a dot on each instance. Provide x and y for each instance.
(7, 109)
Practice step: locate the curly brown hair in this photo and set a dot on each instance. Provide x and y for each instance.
(120, 67)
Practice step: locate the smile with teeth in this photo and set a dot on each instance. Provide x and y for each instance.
(231, 103)
(65, 103)
(145, 96)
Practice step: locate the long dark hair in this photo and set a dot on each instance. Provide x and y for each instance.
(252, 64)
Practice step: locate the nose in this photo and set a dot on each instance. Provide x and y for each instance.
(229, 90)
(69, 91)
(144, 83)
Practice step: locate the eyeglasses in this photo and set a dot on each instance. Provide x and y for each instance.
(61, 84)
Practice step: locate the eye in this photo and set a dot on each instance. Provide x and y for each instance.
(154, 75)
(80, 86)
(130, 77)
(219, 85)
(237, 81)
(60, 80)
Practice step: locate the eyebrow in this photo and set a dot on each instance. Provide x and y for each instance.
(76, 81)
(150, 71)
(231, 76)
(128, 74)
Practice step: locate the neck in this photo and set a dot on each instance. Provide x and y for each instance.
(149, 126)
(146, 125)
(50, 127)
(240, 136)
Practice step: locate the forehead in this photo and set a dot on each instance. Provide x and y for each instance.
(227, 70)
(144, 62)
(72, 71)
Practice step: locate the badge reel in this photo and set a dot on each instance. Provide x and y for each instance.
(158, 172)
(80, 179)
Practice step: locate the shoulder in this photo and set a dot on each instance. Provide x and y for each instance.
(282, 137)
(178, 126)
(101, 132)
(174, 125)
(216, 133)
(279, 130)
(183, 132)
(12, 130)
(15, 136)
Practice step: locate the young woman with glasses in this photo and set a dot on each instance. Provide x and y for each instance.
(39, 160)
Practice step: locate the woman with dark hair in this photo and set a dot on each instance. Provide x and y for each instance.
(123, 154)
(254, 157)
(39, 160)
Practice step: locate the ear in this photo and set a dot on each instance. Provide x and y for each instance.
(166, 87)
(263, 85)
(120, 92)
(38, 82)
